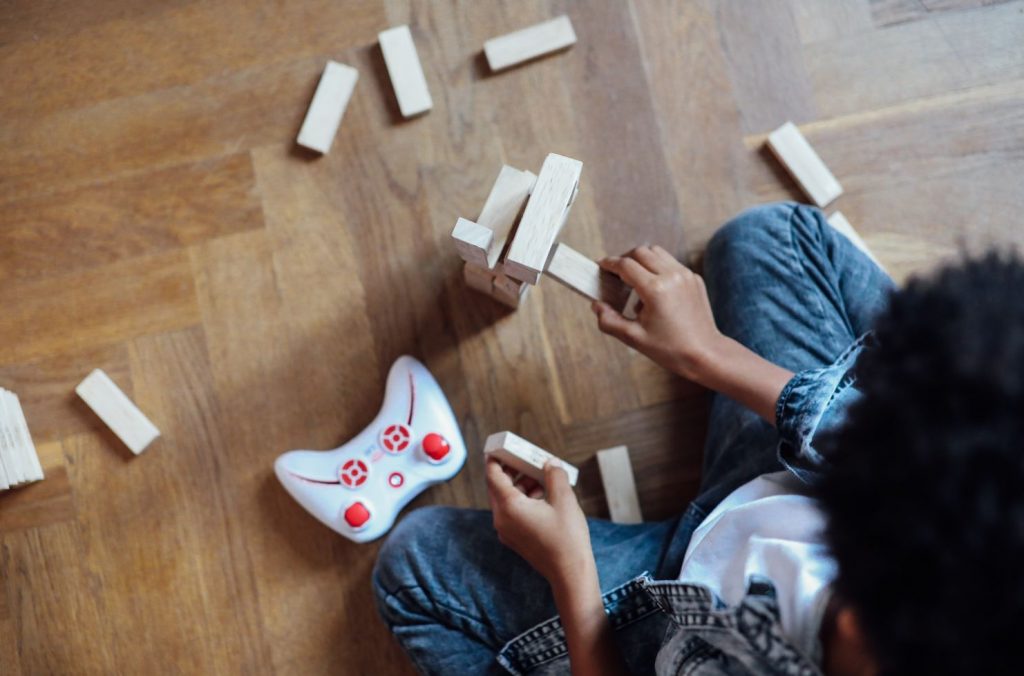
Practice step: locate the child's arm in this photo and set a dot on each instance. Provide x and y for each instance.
(550, 532)
(675, 328)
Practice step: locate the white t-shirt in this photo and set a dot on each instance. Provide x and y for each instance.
(767, 527)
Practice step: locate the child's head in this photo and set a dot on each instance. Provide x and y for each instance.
(925, 498)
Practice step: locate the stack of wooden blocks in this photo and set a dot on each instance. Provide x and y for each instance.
(19, 463)
(515, 239)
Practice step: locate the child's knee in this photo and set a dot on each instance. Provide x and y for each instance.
(755, 231)
(396, 562)
(405, 565)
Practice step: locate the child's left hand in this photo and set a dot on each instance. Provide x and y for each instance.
(549, 531)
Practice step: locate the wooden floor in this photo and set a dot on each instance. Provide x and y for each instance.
(157, 221)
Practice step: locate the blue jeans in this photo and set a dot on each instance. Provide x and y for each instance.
(783, 283)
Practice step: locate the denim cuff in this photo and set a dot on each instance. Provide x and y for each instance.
(811, 402)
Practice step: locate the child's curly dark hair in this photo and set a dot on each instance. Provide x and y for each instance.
(925, 495)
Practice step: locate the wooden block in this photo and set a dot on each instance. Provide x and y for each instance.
(522, 456)
(503, 206)
(118, 412)
(632, 303)
(586, 277)
(509, 291)
(8, 474)
(472, 241)
(619, 485)
(478, 278)
(29, 459)
(839, 222)
(543, 218)
(19, 463)
(799, 158)
(328, 106)
(529, 43)
(405, 70)
(14, 464)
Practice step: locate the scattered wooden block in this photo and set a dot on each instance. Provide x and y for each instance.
(31, 468)
(9, 466)
(543, 218)
(501, 210)
(405, 70)
(529, 43)
(472, 241)
(619, 485)
(522, 456)
(799, 158)
(586, 277)
(478, 278)
(632, 303)
(328, 106)
(19, 462)
(839, 222)
(117, 411)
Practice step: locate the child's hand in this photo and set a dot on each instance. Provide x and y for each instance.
(674, 324)
(549, 531)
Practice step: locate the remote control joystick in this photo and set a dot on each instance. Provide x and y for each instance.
(360, 487)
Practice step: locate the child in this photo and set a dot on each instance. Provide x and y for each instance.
(851, 521)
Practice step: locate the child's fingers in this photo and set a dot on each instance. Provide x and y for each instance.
(614, 324)
(557, 482)
(667, 258)
(628, 269)
(650, 259)
(529, 485)
(499, 482)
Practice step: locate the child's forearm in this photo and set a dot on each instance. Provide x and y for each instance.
(588, 633)
(740, 374)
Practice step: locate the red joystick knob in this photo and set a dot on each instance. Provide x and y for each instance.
(436, 447)
(357, 515)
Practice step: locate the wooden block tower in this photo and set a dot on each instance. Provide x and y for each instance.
(515, 239)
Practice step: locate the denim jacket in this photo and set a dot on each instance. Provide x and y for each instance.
(670, 627)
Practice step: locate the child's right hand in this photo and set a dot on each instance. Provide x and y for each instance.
(674, 325)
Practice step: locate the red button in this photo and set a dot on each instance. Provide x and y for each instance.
(395, 438)
(435, 446)
(354, 473)
(357, 515)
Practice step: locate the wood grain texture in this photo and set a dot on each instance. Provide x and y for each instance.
(766, 62)
(148, 294)
(890, 12)
(107, 221)
(158, 222)
(42, 503)
(952, 51)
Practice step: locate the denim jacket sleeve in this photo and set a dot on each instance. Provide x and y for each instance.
(815, 401)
